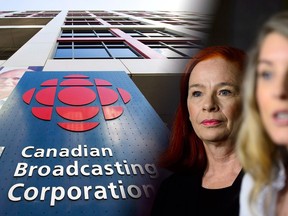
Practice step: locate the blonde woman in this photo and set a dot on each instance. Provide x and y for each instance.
(263, 137)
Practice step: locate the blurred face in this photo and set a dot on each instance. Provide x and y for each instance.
(272, 87)
(214, 100)
(8, 81)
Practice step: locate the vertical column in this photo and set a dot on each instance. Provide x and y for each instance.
(38, 49)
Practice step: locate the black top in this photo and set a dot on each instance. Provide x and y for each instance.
(182, 194)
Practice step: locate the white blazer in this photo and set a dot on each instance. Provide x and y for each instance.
(265, 204)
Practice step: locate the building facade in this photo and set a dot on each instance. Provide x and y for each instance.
(152, 47)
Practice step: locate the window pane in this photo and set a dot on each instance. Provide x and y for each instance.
(65, 44)
(103, 34)
(188, 51)
(63, 53)
(90, 53)
(66, 33)
(154, 34)
(83, 33)
(122, 53)
(134, 34)
(118, 44)
(170, 34)
(94, 23)
(86, 44)
(154, 44)
(167, 52)
(182, 44)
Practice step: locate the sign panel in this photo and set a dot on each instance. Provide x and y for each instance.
(79, 143)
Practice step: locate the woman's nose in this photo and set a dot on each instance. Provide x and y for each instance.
(210, 104)
(281, 88)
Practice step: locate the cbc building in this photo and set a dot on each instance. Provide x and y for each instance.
(83, 129)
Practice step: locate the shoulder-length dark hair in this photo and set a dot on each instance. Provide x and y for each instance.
(186, 150)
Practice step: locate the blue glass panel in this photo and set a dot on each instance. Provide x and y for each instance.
(90, 53)
(63, 53)
(134, 34)
(122, 53)
(84, 33)
(167, 52)
(105, 34)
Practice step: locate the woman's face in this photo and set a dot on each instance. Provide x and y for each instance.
(272, 87)
(8, 81)
(214, 100)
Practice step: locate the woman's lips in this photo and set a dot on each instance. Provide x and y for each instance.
(211, 122)
(281, 118)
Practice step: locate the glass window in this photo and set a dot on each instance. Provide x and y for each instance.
(65, 44)
(172, 49)
(83, 33)
(119, 44)
(90, 53)
(80, 23)
(153, 44)
(122, 53)
(88, 44)
(81, 50)
(167, 52)
(66, 33)
(104, 34)
(150, 33)
(134, 34)
(93, 23)
(63, 52)
(188, 51)
(153, 34)
(181, 44)
(86, 33)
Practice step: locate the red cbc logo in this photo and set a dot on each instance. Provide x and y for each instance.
(76, 96)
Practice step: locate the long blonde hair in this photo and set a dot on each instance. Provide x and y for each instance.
(256, 151)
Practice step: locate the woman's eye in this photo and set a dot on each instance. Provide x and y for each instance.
(266, 75)
(196, 94)
(225, 92)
